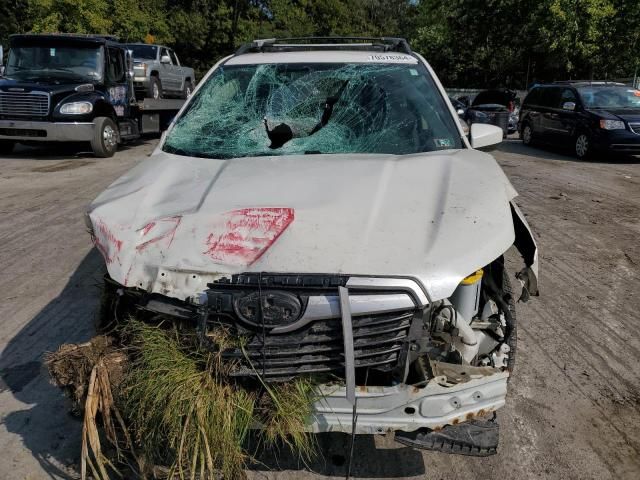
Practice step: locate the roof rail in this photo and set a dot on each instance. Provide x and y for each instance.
(386, 44)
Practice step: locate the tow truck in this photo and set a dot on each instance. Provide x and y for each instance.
(74, 88)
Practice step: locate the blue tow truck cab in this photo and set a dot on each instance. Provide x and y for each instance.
(74, 88)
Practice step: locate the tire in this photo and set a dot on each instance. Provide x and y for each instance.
(105, 137)
(527, 134)
(582, 146)
(155, 88)
(188, 89)
(6, 147)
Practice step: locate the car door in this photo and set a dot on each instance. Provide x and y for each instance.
(167, 74)
(177, 71)
(118, 85)
(565, 117)
(549, 102)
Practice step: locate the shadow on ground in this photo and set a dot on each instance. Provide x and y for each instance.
(369, 461)
(44, 425)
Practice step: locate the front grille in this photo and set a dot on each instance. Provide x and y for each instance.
(635, 128)
(319, 346)
(24, 104)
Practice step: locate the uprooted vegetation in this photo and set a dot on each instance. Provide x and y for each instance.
(169, 408)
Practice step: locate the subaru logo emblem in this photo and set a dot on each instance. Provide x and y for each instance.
(278, 308)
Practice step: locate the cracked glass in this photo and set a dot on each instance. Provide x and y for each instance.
(287, 109)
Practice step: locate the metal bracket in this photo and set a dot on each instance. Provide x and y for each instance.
(347, 334)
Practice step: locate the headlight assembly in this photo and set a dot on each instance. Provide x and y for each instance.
(76, 108)
(612, 124)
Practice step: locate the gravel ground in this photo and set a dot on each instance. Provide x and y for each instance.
(574, 404)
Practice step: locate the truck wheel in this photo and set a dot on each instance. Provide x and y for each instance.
(105, 137)
(188, 89)
(6, 147)
(155, 88)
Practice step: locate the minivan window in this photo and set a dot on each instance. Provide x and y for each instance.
(285, 109)
(567, 96)
(533, 97)
(616, 96)
(550, 97)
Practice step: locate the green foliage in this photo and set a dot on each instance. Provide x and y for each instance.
(472, 43)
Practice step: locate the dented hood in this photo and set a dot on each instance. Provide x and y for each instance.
(174, 223)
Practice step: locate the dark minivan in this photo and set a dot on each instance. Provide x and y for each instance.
(589, 116)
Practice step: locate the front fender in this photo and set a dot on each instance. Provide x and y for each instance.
(526, 245)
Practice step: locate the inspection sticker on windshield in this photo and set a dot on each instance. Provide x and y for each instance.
(443, 142)
(392, 59)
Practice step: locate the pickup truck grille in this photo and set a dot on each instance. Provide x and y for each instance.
(24, 104)
(319, 347)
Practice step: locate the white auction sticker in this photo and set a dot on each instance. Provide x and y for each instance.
(391, 58)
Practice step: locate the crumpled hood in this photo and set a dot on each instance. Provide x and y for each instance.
(174, 223)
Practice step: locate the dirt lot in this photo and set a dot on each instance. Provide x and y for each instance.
(574, 406)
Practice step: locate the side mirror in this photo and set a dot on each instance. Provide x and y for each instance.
(569, 106)
(165, 59)
(484, 135)
(460, 112)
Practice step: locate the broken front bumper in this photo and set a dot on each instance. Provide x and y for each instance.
(22, 130)
(408, 408)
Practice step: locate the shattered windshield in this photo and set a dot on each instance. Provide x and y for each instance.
(284, 109)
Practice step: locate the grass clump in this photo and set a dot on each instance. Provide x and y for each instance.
(183, 408)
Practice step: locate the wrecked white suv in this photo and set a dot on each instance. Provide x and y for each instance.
(321, 201)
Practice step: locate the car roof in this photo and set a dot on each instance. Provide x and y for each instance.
(33, 38)
(325, 50)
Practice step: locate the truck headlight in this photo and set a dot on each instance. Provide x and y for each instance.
(612, 125)
(76, 108)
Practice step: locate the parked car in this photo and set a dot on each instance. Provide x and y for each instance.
(158, 72)
(321, 202)
(496, 107)
(73, 88)
(589, 116)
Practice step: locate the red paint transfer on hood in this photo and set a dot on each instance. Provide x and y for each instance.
(240, 237)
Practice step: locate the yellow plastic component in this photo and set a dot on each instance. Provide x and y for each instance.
(473, 278)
